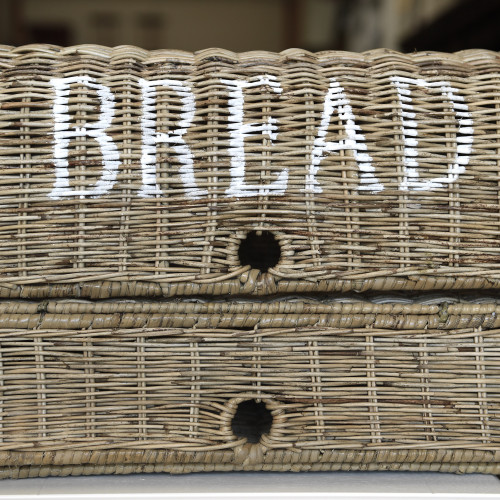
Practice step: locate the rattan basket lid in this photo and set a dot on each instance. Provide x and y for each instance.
(133, 173)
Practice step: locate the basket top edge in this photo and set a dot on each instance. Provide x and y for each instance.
(468, 55)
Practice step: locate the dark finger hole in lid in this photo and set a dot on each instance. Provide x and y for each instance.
(259, 250)
(251, 421)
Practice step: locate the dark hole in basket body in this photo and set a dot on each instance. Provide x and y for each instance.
(251, 421)
(260, 251)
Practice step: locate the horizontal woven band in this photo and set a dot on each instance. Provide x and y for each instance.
(181, 389)
(444, 312)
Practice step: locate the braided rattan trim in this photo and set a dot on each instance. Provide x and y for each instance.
(280, 313)
(25, 465)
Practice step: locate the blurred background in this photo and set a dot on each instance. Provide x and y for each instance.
(240, 25)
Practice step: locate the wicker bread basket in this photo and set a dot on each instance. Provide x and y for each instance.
(257, 261)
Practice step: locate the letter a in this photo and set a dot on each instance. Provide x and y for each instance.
(336, 98)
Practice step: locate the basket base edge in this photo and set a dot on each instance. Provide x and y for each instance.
(19, 465)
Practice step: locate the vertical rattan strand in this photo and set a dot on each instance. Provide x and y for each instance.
(160, 255)
(126, 168)
(81, 121)
(90, 403)
(41, 389)
(25, 164)
(347, 210)
(317, 390)
(481, 385)
(211, 230)
(212, 178)
(373, 406)
(427, 416)
(497, 123)
(265, 170)
(404, 256)
(142, 396)
(352, 220)
(196, 390)
(309, 197)
(2, 402)
(454, 194)
(162, 217)
(256, 362)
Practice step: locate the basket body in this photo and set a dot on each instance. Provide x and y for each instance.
(138, 316)
(131, 387)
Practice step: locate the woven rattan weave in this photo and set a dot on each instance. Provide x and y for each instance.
(141, 172)
(124, 387)
(257, 261)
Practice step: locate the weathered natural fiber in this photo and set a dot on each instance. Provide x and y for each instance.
(360, 398)
(446, 313)
(374, 225)
(136, 318)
